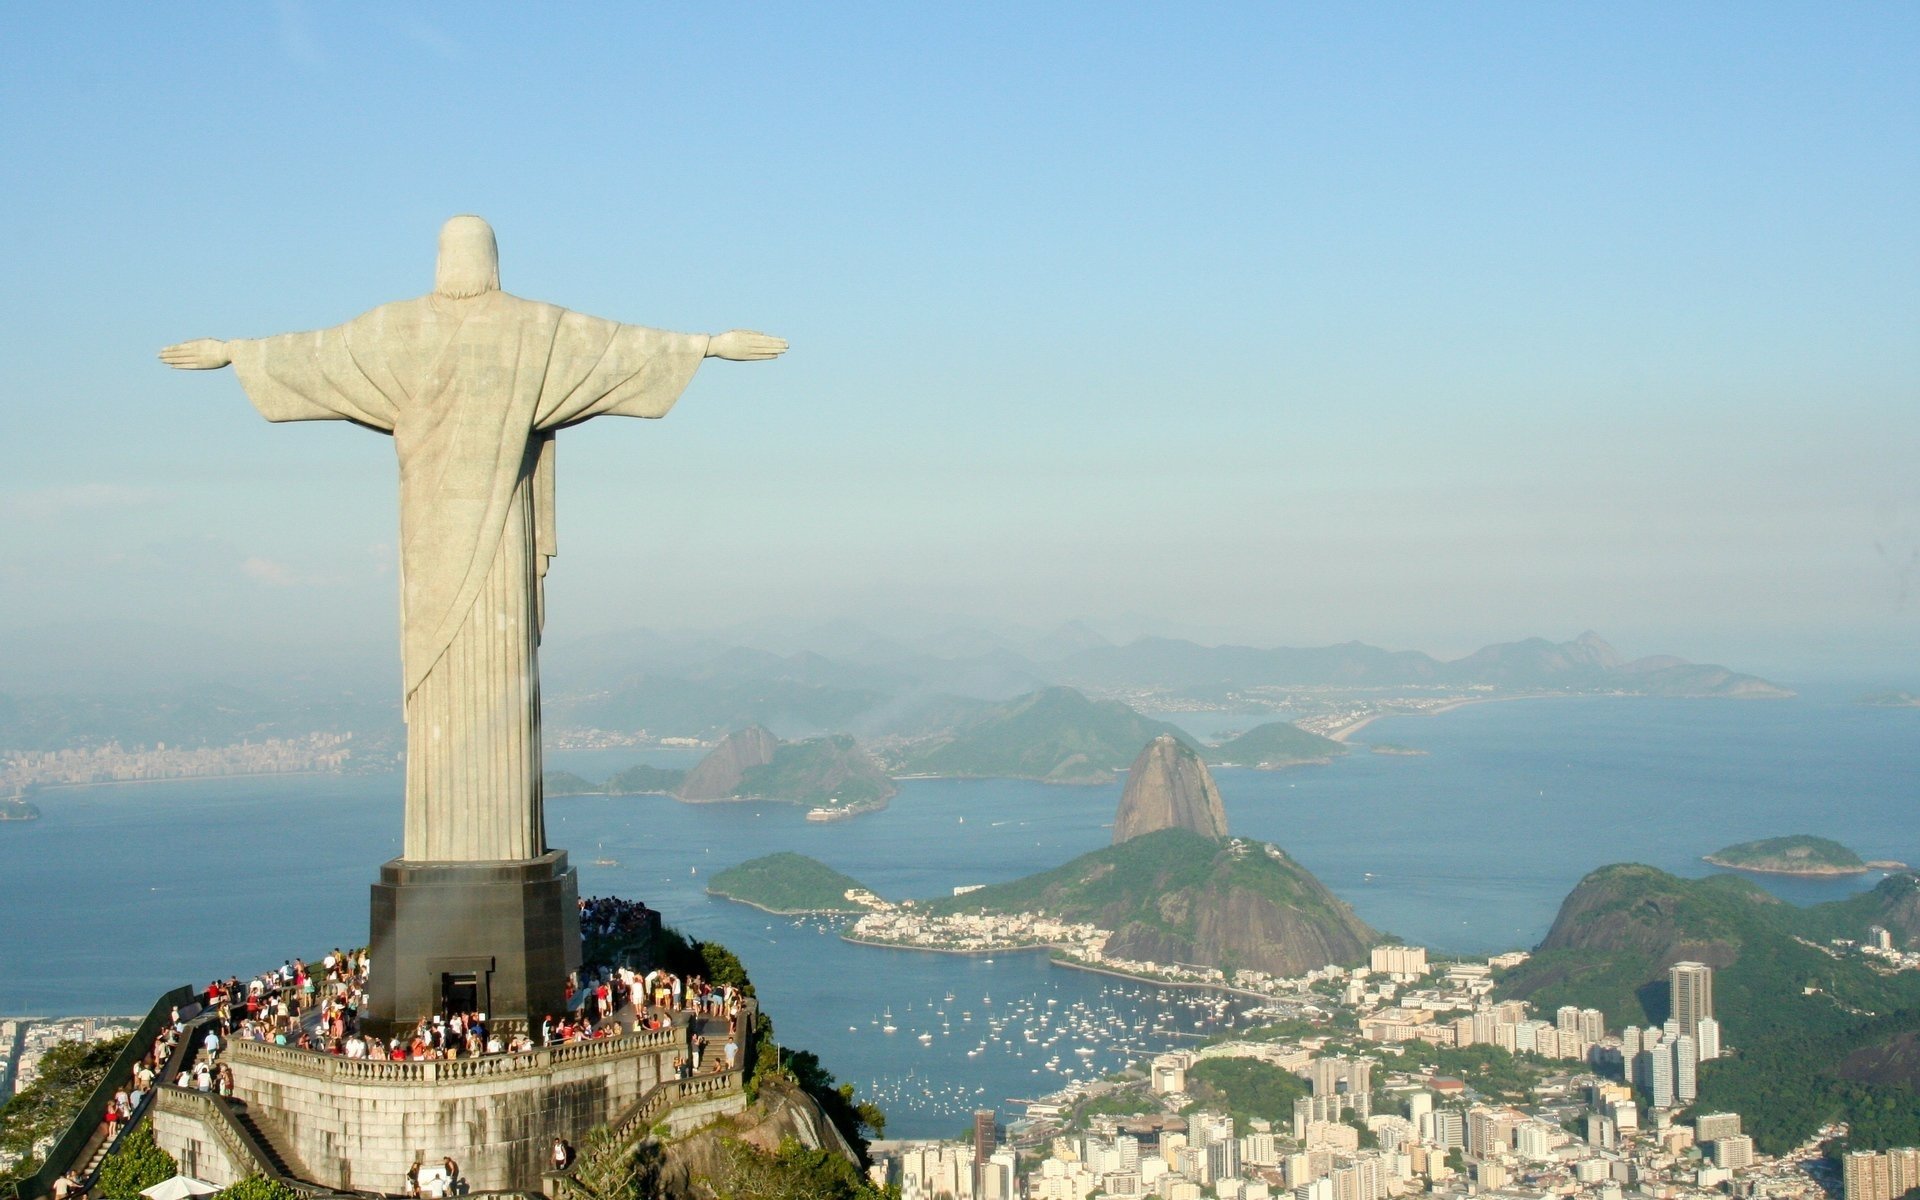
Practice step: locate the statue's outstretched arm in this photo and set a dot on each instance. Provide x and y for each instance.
(744, 345)
(201, 354)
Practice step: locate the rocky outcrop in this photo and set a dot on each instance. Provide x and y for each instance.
(1169, 788)
(720, 773)
(698, 1166)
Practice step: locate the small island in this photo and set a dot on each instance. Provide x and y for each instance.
(1891, 700)
(790, 884)
(16, 809)
(1394, 749)
(1798, 854)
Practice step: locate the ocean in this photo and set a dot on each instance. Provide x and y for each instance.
(120, 892)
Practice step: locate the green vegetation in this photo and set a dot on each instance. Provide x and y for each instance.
(257, 1188)
(1290, 1030)
(1275, 744)
(137, 1163)
(786, 883)
(1245, 1087)
(1814, 1033)
(645, 780)
(566, 783)
(16, 809)
(1188, 898)
(792, 1172)
(676, 952)
(818, 770)
(1798, 854)
(1056, 735)
(1132, 1102)
(1125, 883)
(1495, 1073)
(44, 1108)
(641, 780)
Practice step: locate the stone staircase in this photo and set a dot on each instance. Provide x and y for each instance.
(269, 1139)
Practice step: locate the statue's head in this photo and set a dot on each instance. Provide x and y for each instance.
(469, 259)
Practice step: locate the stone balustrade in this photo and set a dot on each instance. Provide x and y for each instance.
(334, 1067)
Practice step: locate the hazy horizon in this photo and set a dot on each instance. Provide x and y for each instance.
(1428, 329)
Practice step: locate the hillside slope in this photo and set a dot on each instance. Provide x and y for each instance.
(1175, 896)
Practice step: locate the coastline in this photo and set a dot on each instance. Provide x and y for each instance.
(1345, 731)
(94, 783)
(791, 912)
(1800, 872)
(1056, 955)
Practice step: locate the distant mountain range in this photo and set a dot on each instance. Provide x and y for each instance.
(847, 680)
(1056, 735)
(881, 689)
(752, 764)
(1585, 664)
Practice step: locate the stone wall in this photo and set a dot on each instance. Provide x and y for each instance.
(358, 1124)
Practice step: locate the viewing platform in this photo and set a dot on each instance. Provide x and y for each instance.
(323, 1123)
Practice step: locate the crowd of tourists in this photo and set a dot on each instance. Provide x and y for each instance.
(610, 916)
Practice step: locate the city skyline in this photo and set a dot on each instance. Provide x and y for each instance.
(1430, 330)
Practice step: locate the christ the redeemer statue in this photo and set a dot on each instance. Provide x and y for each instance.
(472, 383)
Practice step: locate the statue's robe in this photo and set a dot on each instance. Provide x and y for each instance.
(472, 391)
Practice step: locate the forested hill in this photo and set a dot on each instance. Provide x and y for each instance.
(1175, 896)
(1790, 1005)
(1056, 735)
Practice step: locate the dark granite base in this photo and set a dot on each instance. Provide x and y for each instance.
(494, 937)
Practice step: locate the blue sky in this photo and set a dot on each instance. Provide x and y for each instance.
(1423, 325)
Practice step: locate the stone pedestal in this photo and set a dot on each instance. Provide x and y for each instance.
(492, 937)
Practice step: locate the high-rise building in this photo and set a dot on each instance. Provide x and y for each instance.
(1593, 1024)
(1660, 1075)
(1867, 1175)
(1449, 1129)
(984, 1138)
(1708, 1038)
(1401, 962)
(1733, 1152)
(1903, 1170)
(1686, 1062)
(1711, 1127)
(1567, 1019)
(1349, 1078)
(1691, 985)
(1420, 1112)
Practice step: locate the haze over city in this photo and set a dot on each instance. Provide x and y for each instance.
(1429, 328)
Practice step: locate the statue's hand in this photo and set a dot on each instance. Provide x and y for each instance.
(201, 354)
(744, 345)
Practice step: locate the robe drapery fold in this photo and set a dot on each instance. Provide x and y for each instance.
(472, 391)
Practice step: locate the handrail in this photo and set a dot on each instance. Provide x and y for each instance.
(625, 1132)
(62, 1156)
(333, 1067)
(234, 1138)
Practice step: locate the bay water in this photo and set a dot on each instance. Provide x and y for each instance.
(120, 892)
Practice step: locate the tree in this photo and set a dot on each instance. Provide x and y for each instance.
(67, 1076)
(138, 1163)
(257, 1187)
